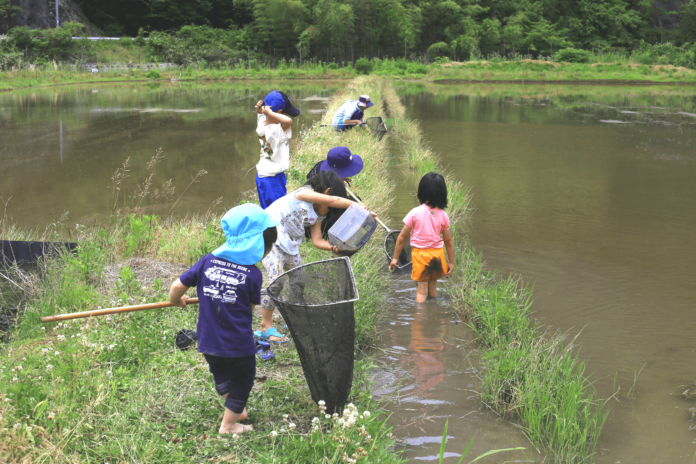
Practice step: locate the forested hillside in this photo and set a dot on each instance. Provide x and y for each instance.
(478, 27)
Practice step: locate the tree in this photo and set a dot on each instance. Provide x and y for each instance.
(7, 12)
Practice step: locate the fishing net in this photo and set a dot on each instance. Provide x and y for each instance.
(316, 301)
(390, 244)
(377, 125)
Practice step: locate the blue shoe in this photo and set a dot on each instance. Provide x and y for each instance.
(263, 345)
(266, 355)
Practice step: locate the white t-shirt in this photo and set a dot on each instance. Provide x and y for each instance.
(275, 147)
(294, 215)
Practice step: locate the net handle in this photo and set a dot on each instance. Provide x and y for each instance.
(363, 204)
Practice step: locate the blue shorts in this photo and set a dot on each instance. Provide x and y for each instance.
(271, 188)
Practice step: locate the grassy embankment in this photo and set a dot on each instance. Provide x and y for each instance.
(519, 70)
(115, 389)
(529, 375)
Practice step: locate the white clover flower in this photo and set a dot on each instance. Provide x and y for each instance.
(283, 430)
(49, 367)
(346, 412)
(287, 397)
(19, 368)
(72, 336)
(61, 338)
(41, 377)
(43, 328)
(7, 399)
(291, 426)
(235, 436)
(351, 406)
(328, 416)
(321, 403)
(335, 415)
(57, 353)
(29, 429)
(24, 359)
(16, 426)
(274, 434)
(366, 414)
(315, 420)
(341, 422)
(315, 428)
(14, 379)
(111, 347)
(108, 373)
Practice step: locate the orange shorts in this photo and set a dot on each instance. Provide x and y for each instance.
(428, 264)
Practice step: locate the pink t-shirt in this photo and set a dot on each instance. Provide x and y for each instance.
(427, 224)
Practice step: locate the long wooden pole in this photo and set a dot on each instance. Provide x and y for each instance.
(361, 203)
(105, 311)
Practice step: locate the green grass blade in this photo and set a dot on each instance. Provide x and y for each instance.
(488, 453)
(444, 440)
(466, 451)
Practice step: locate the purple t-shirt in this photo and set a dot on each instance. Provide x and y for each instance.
(226, 292)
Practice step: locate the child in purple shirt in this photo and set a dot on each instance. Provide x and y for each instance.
(228, 285)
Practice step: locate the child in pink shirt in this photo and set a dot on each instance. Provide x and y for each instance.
(428, 226)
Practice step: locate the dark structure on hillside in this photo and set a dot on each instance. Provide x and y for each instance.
(41, 14)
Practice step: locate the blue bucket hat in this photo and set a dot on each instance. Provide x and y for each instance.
(243, 226)
(341, 161)
(278, 100)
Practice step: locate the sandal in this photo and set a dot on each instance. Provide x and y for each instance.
(266, 355)
(272, 332)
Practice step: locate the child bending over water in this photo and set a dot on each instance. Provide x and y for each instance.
(228, 287)
(322, 195)
(428, 226)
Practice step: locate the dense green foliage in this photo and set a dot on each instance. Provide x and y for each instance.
(468, 27)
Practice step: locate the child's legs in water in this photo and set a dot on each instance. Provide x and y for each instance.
(275, 263)
(234, 378)
(425, 289)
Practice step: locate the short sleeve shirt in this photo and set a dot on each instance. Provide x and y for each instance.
(226, 292)
(427, 225)
(275, 148)
(294, 215)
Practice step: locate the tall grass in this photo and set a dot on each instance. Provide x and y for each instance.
(530, 375)
(115, 389)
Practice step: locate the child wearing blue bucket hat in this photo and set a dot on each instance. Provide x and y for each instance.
(228, 285)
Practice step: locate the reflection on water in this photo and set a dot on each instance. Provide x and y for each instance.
(600, 217)
(60, 146)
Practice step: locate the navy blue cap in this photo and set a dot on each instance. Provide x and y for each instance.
(278, 100)
(341, 161)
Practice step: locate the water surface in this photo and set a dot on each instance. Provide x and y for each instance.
(589, 194)
(60, 146)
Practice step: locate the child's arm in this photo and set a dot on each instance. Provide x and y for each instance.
(177, 294)
(449, 246)
(277, 118)
(318, 241)
(398, 248)
(310, 196)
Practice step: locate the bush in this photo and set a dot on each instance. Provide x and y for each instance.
(364, 66)
(439, 49)
(254, 65)
(573, 55)
(153, 74)
(140, 39)
(417, 68)
(332, 66)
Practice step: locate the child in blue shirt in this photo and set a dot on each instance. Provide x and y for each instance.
(228, 285)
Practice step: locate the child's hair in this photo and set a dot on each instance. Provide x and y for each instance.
(329, 180)
(433, 190)
(270, 236)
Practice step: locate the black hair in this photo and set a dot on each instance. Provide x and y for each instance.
(433, 190)
(270, 236)
(329, 180)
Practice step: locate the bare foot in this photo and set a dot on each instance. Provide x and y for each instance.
(237, 428)
(243, 416)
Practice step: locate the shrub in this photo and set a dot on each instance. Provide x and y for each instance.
(254, 65)
(401, 63)
(573, 55)
(332, 66)
(417, 68)
(376, 62)
(364, 66)
(153, 74)
(439, 49)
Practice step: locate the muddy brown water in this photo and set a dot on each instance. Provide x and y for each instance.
(589, 194)
(60, 146)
